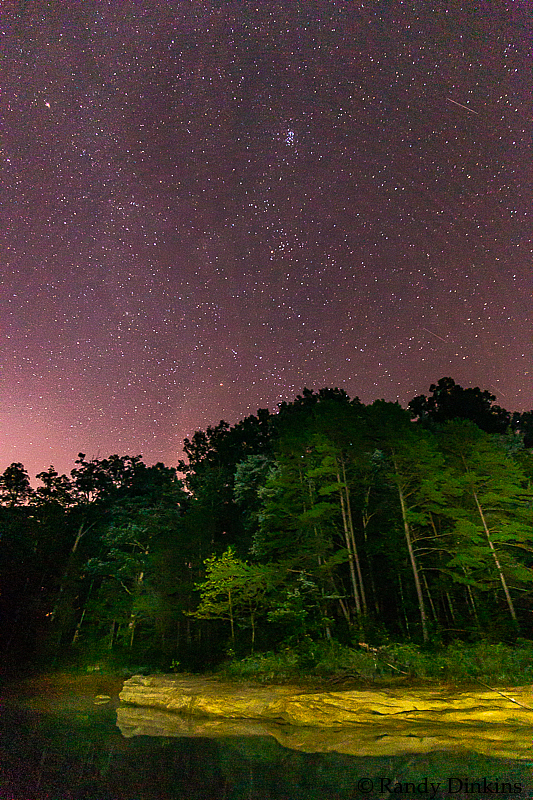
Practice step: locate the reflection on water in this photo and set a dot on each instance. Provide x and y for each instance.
(391, 735)
(77, 752)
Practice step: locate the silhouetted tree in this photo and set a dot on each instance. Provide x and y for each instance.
(15, 487)
(450, 401)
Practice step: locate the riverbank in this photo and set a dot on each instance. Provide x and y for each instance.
(63, 692)
(88, 685)
(369, 722)
(297, 705)
(384, 720)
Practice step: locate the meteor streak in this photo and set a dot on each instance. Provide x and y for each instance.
(461, 106)
(434, 334)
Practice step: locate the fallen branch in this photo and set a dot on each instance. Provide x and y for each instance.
(511, 699)
(376, 652)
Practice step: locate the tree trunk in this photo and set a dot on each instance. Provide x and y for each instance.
(402, 598)
(230, 604)
(351, 560)
(133, 615)
(112, 635)
(81, 532)
(352, 538)
(433, 609)
(78, 626)
(252, 623)
(496, 560)
(131, 626)
(412, 559)
(344, 608)
(366, 517)
(471, 597)
(450, 606)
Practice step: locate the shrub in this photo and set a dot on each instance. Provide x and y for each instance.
(458, 663)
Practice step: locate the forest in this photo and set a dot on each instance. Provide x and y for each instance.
(327, 526)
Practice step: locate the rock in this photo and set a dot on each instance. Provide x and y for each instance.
(199, 696)
(101, 699)
(385, 722)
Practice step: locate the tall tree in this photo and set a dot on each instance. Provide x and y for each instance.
(494, 514)
(15, 487)
(55, 490)
(450, 401)
(138, 525)
(417, 473)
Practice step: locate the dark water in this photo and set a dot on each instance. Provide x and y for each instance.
(77, 752)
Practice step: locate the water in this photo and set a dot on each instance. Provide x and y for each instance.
(66, 748)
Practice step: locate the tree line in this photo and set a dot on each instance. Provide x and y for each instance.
(327, 520)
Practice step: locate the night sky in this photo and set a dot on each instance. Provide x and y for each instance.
(209, 205)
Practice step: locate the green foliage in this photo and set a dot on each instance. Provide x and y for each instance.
(463, 663)
(298, 533)
(250, 476)
(458, 663)
(492, 511)
(300, 611)
(233, 590)
(264, 667)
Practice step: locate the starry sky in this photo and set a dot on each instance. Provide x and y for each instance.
(209, 205)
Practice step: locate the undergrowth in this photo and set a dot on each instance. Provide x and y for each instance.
(456, 663)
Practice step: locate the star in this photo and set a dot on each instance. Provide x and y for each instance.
(332, 192)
